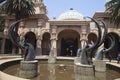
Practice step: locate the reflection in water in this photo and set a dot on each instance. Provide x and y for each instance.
(102, 75)
(51, 70)
(64, 70)
(81, 74)
(81, 77)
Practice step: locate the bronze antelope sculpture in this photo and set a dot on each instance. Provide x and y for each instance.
(24, 45)
(92, 48)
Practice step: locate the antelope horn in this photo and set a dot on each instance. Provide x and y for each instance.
(112, 40)
(12, 33)
(104, 34)
(99, 33)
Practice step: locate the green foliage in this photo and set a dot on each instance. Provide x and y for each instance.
(113, 8)
(21, 8)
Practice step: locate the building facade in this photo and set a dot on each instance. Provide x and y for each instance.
(65, 34)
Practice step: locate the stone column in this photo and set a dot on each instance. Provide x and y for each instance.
(54, 42)
(83, 38)
(5, 35)
(54, 39)
(39, 40)
(52, 58)
(39, 48)
(3, 46)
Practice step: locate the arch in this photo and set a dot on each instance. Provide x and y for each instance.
(46, 43)
(68, 42)
(31, 38)
(77, 30)
(114, 52)
(92, 37)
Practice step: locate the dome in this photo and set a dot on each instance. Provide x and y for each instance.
(108, 1)
(71, 15)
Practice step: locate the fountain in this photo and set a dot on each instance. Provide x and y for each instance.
(28, 66)
(77, 59)
(82, 69)
(51, 58)
(100, 64)
(85, 65)
(62, 70)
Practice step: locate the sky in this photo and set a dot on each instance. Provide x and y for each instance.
(85, 7)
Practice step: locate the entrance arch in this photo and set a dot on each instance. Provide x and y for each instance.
(31, 38)
(68, 42)
(46, 43)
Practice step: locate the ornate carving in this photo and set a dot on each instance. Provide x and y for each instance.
(41, 23)
(43, 9)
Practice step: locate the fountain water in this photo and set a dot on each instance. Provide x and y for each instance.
(51, 58)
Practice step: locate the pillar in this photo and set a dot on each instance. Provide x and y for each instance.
(53, 54)
(54, 45)
(54, 39)
(83, 36)
(39, 48)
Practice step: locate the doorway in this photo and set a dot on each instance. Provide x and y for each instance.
(69, 47)
(68, 43)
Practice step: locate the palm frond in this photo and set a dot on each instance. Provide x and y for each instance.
(21, 8)
(113, 8)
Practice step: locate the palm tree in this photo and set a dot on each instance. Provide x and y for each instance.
(20, 8)
(113, 8)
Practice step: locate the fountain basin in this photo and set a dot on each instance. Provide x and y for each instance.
(57, 72)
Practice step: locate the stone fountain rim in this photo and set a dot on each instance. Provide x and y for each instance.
(3, 75)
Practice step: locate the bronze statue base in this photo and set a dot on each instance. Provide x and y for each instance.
(100, 65)
(28, 69)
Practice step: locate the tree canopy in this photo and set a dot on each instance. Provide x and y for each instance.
(20, 8)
